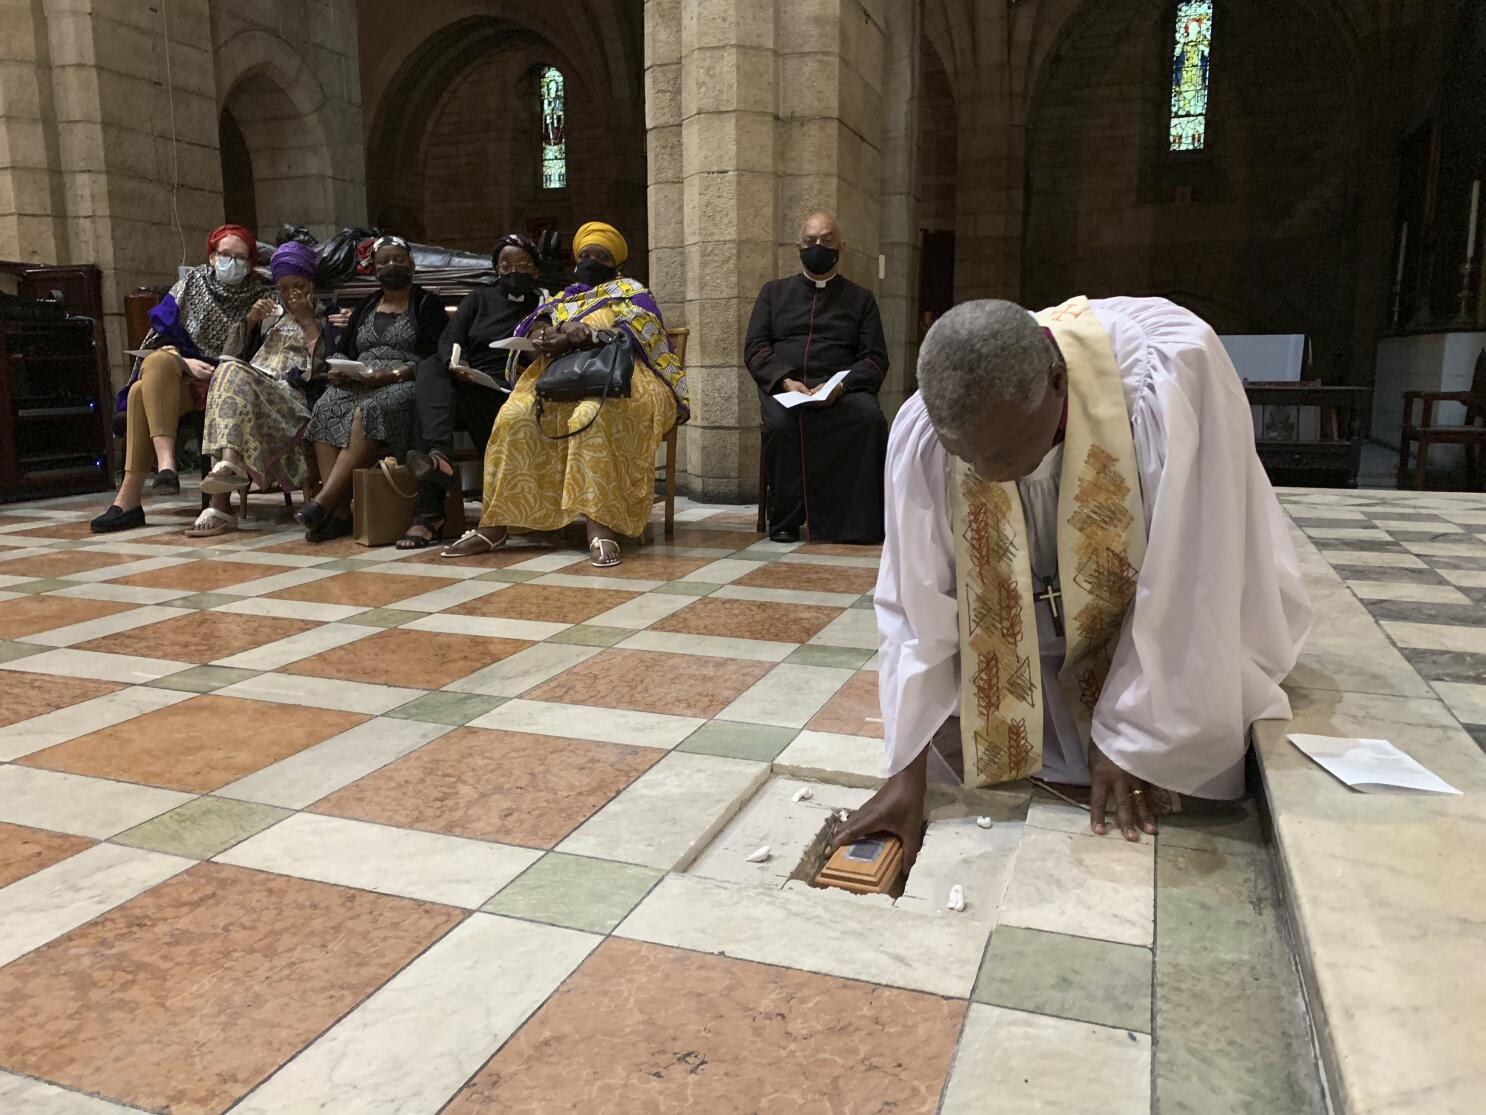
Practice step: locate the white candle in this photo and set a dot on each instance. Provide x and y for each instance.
(1403, 247)
(1470, 237)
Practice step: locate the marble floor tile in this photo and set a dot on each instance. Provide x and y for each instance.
(642, 611)
(685, 588)
(548, 561)
(36, 1097)
(202, 827)
(267, 583)
(1230, 827)
(453, 709)
(26, 695)
(1404, 591)
(713, 646)
(290, 609)
(641, 567)
(669, 814)
(811, 577)
(761, 743)
(453, 594)
(514, 553)
(722, 572)
(1465, 578)
(1425, 525)
(524, 670)
(853, 711)
(856, 627)
(321, 693)
(569, 580)
(786, 596)
(647, 681)
(715, 539)
(311, 774)
(201, 637)
(26, 616)
(58, 899)
(1437, 636)
(29, 736)
(543, 718)
(846, 760)
(1448, 549)
(25, 851)
(509, 787)
(830, 932)
(755, 1039)
(839, 549)
(57, 563)
(591, 635)
(957, 852)
(429, 866)
(203, 679)
(1076, 978)
(1370, 557)
(844, 658)
(452, 624)
(78, 805)
(363, 590)
(1348, 533)
(1466, 700)
(202, 576)
(200, 962)
(1086, 886)
(375, 1061)
(787, 696)
(544, 603)
(121, 594)
(575, 891)
(749, 619)
(417, 659)
(1012, 1063)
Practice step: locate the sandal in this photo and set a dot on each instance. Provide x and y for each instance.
(603, 553)
(224, 477)
(425, 466)
(434, 524)
(472, 543)
(211, 523)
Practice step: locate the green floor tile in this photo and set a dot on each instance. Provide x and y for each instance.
(1101, 982)
(864, 603)
(387, 617)
(685, 588)
(845, 658)
(49, 584)
(10, 651)
(203, 679)
(350, 564)
(204, 601)
(591, 635)
(447, 708)
(576, 892)
(1231, 827)
(736, 740)
(511, 576)
(202, 828)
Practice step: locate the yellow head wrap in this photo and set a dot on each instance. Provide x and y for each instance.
(605, 236)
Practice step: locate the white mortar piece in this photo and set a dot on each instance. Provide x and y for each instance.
(760, 855)
(956, 898)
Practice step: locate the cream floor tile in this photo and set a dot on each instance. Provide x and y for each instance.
(97, 628)
(710, 646)
(772, 817)
(424, 865)
(448, 570)
(957, 852)
(856, 627)
(1086, 886)
(1403, 590)
(63, 724)
(450, 596)
(1011, 1063)
(294, 647)
(838, 560)
(1373, 557)
(603, 725)
(6, 582)
(1437, 636)
(73, 803)
(787, 696)
(19, 549)
(1465, 518)
(767, 550)
(832, 757)
(488, 627)
(124, 594)
(576, 580)
(123, 569)
(1467, 702)
(291, 609)
(510, 677)
(1300, 511)
(310, 775)
(253, 557)
(276, 582)
(344, 696)
(642, 611)
(834, 933)
(787, 596)
(1465, 578)
(94, 664)
(1348, 533)
(378, 1060)
(58, 899)
(1447, 549)
(548, 562)
(36, 1097)
(145, 549)
(670, 813)
(723, 572)
(1418, 526)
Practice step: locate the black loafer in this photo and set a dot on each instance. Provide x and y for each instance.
(784, 534)
(116, 518)
(312, 516)
(333, 528)
(167, 483)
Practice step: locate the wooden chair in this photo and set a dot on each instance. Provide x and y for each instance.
(678, 338)
(1471, 435)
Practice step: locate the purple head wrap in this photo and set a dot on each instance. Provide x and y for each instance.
(292, 258)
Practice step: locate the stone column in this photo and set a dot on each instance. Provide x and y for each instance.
(898, 291)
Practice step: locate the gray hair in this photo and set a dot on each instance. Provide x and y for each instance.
(980, 355)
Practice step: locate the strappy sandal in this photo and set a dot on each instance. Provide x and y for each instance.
(224, 477)
(434, 524)
(472, 544)
(603, 553)
(211, 523)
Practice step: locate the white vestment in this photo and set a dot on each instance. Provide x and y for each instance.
(1219, 615)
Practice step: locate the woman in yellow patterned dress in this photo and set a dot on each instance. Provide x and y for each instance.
(537, 480)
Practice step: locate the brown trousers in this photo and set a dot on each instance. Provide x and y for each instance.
(159, 397)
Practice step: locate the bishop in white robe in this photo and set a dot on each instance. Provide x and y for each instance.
(1215, 616)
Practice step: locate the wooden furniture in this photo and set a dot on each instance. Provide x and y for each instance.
(1331, 451)
(55, 395)
(678, 338)
(1471, 435)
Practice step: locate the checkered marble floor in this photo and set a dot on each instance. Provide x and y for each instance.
(295, 828)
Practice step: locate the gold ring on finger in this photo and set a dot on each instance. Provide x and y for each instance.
(1137, 793)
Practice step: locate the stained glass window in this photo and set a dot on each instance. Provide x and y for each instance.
(554, 131)
(1189, 74)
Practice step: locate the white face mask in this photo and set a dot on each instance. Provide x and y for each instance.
(231, 271)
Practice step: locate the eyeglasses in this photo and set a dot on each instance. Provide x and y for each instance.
(230, 255)
(524, 268)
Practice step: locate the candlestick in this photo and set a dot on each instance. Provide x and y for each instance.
(1470, 236)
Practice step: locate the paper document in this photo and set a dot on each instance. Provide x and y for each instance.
(820, 395)
(515, 344)
(474, 375)
(1373, 766)
(355, 369)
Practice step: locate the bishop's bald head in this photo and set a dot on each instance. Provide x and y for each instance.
(994, 385)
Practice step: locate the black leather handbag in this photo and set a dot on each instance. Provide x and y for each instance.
(602, 372)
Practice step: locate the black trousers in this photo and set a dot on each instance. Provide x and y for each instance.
(825, 467)
(445, 406)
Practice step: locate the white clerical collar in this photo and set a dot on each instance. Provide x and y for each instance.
(819, 284)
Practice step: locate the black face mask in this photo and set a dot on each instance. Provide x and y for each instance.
(517, 284)
(591, 272)
(818, 259)
(395, 276)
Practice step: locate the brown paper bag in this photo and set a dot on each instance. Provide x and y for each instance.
(382, 500)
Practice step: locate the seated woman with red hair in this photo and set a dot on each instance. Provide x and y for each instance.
(190, 327)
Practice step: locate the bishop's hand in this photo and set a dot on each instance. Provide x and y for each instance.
(898, 808)
(1111, 784)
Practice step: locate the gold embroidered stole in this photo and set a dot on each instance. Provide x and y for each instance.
(1101, 539)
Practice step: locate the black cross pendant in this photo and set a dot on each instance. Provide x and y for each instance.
(1054, 601)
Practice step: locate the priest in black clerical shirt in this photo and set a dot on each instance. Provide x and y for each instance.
(823, 460)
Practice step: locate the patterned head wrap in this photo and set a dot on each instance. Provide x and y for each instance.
(605, 236)
(390, 242)
(514, 240)
(292, 258)
(221, 232)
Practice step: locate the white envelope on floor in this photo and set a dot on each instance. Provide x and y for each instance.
(1373, 766)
